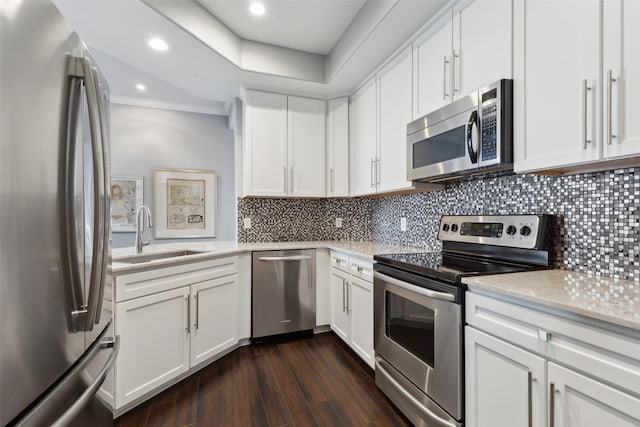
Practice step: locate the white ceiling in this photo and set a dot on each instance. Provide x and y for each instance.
(308, 25)
(211, 58)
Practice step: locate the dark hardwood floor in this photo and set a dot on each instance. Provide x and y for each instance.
(309, 381)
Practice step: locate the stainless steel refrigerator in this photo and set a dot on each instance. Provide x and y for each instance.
(56, 346)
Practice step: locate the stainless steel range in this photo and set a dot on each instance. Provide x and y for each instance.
(419, 308)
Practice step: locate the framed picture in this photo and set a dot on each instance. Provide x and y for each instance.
(184, 203)
(126, 197)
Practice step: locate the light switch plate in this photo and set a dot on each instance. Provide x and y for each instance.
(247, 223)
(338, 222)
(403, 224)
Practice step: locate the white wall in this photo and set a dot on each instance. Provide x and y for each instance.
(146, 138)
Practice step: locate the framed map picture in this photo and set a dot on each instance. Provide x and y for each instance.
(185, 203)
(126, 197)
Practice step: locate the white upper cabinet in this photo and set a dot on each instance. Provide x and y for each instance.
(284, 147)
(468, 48)
(482, 44)
(265, 154)
(337, 171)
(573, 110)
(621, 68)
(556, 83)
(363, 158)
(306, 141)
(394, 101)
(433, 66)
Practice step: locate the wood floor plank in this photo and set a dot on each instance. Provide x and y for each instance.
(272, 397)
(325, 416)
(186, 406)
(305, 377)
(309, 381)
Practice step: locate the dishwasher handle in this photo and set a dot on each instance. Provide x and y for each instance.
(285, 258)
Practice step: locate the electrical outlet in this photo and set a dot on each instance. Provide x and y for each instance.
(247, 223)
(338, 222)
(403, 224)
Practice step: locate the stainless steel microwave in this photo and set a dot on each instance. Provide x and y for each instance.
(471, 135)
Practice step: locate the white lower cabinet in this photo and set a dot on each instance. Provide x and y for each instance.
(214, 320)
(339, 283)
(525, 367)
(579, 401)
(352, 304)
(361, 319)
(505, 385)
(154, 343)
(165, 334)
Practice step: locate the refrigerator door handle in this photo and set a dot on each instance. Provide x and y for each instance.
(104, 132)
(97, 265)
(68, 227)
(73, 411)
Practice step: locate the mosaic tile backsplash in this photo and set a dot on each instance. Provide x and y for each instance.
(597, 229)
(286, 220)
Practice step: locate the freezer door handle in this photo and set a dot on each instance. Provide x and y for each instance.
(46, 411)
(73, 411)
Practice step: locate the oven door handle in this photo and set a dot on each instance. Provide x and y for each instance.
(416, 289)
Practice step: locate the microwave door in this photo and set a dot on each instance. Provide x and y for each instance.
(441, 150)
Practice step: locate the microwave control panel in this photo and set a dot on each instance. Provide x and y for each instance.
(488, 123)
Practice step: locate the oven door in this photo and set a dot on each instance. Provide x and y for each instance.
(418, 331)
(445, 142)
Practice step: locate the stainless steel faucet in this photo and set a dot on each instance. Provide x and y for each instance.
(140, 227)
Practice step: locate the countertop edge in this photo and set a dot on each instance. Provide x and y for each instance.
(361, 249)
(522, 295)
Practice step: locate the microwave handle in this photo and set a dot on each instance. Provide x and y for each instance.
(472, 137)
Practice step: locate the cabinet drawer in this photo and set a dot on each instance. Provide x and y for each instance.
(604, 354)
(361, 268)
(340, 261)
(162, 279)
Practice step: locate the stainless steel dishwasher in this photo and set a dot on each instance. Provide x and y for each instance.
(283, 297)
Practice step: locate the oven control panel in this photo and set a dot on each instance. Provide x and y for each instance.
(518, 231)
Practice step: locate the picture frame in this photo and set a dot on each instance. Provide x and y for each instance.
(184, 203)
(127, 195)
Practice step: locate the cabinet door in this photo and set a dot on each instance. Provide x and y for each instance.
(214, 317)
(433, 56)
(339, 283)
(306, 147)
(504, 385)
(338, 148)
(621, 66)
(154, 342)
(361, 312)
(394, 112)
(265, 157)
(578, 401)
(363, 141)
(482, 41)
(556, 83)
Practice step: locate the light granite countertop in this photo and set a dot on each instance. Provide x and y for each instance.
(605, 299)
(366, 249)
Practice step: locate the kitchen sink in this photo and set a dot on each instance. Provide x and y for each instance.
(138, 259)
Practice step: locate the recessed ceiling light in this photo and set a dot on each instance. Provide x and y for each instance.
(157, 44)
(141, 87)
(257, 8)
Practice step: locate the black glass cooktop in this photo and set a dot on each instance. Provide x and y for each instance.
(447, 266)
